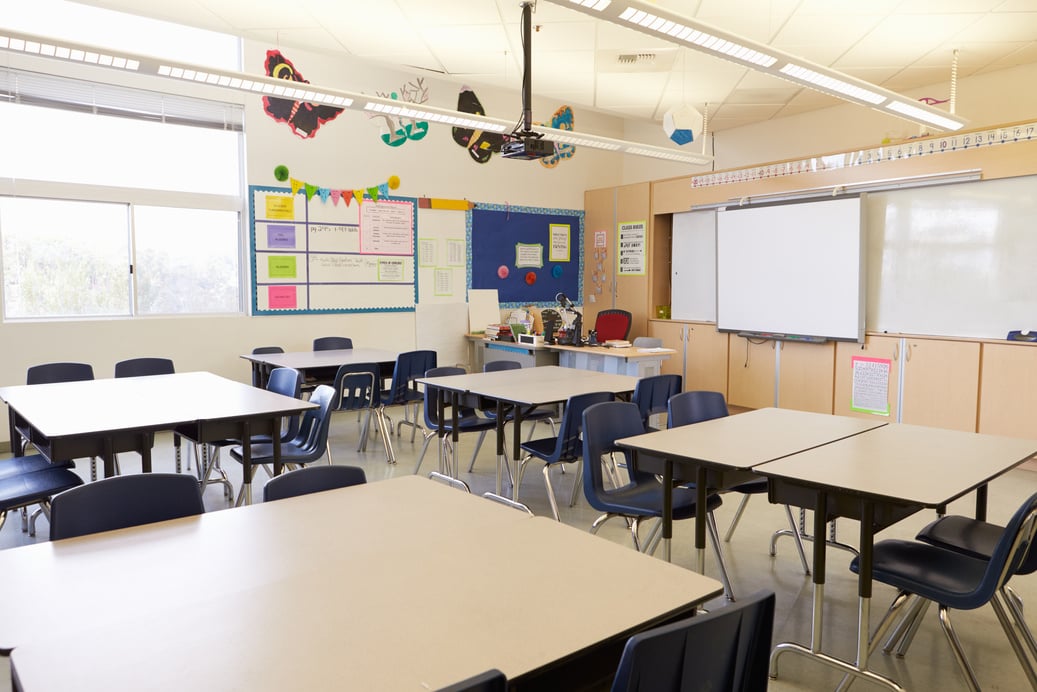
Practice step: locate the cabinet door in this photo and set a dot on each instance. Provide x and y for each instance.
(806, 379)
(941, 383)
(706, 358)
(885, 347)
(1008, 390)
(672, 334)
(750, 373)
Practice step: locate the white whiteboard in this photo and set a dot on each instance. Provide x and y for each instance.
(792, 269)
(693, 272)
(954, 260)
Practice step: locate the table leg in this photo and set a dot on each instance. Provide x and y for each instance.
(981, 502)
(145, 452)
(109, 458)
(440, 428)
(667, 509)
(246, 460)
(516, 449)
(455, 436)
(700, 519)
(501, 456)
(17, 443)
(176, 452)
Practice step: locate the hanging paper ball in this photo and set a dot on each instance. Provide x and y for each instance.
(394, 182)
(556, 271)
(281, 173)
(531, 278)
(502, 272)
(682, 124)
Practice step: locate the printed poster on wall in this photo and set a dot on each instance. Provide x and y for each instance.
(870, 389)
(631, 250)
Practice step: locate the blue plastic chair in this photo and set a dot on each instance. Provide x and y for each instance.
(725, 649)
(566, 448)
(32, 480)
(490, 681)
(403, 391)
(642, 497)
(467, 420)
(358, 388)
(332, 343)
(123, 501)
(309, 444)
(652, 394)
(260, 371)
(52, 373)
(312, 479)
(142, 367)
(956, 581)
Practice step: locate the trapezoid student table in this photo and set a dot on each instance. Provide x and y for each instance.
(720, 453)
(99, 418)
(878, 478)
(637, 362)
(518, 390)
(300, 607)
(307, 362)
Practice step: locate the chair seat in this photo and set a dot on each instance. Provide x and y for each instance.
(646, 499)
(933, 573)
(263, 453)
(544, 449)
(970, 537)
(32, 487)
(753, 487)
(16, 466)
(470, 423)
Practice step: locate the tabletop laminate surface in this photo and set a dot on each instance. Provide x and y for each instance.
(534, 386)
(303, 360)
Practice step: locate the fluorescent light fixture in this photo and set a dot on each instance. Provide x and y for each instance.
(655, 21)
(311, 93)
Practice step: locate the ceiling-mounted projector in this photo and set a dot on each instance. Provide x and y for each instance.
(526, 146)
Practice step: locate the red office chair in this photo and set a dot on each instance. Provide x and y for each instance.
(612, 324)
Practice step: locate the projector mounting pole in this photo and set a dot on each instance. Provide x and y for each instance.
(527, 67)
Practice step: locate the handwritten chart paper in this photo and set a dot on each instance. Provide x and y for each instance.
(870, 390)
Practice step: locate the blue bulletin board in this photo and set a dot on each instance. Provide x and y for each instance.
(529, 254)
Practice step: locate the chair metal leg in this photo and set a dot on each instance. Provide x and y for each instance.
(428, 434)
(1015, 607)
(551, 492)
(478, 446)
(385, 425)
(634, 525)
(736, 518)
(904, 633)
(959, 653)
(1017, 632)
(577, 484)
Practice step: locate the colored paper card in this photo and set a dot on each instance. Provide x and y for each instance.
(870, 389)
(559, 242)
(282, 298)
(454, 204)
(529, 255)
(280, 207)
(280, 236)
(281, 267)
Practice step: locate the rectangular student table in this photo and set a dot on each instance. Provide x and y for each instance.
(722, 452)
(880, 477)
(392, 585)
(523, 389)
(99, 418)
(311, 362)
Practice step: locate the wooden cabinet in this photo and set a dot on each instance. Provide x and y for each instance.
(1008, 390)
(806, 376)
(940, 379)
(701, 357)
(941, 383)
(751, 371)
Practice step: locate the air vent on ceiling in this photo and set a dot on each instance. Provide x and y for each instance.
(635, 58)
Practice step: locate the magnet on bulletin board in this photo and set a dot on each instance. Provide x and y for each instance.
(502, 272)
(556, 271)
(531, 278)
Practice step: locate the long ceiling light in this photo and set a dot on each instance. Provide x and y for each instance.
(263, 85)
(700, 36)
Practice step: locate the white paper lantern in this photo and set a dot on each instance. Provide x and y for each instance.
(682, 124)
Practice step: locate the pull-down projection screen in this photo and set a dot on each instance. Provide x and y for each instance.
(792, 269)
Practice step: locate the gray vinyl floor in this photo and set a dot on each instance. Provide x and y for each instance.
(928, 666)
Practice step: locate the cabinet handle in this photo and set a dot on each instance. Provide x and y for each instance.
(896, 351)
(907, 352)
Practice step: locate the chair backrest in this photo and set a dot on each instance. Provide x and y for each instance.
(651, 394)
(141, 367)
(257, 372)
(694, 407)
(409, 365)
(358, 386)
(725, 649)
(498, 365)
(258, 350)
(123, 501)
(312, 479)
(310, 443)
(568, 444)
(1010, 552)
(613, 324)
(286, 381)
(431, 392)
(603, 424)
(648, 342)
(49, 373)
(332, 343)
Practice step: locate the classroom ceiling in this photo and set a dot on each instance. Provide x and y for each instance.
(902, 45)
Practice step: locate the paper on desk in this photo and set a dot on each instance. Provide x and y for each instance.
(657, 349)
